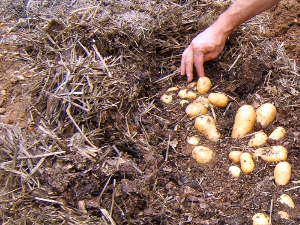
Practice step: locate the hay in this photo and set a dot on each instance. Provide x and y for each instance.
(102, 67)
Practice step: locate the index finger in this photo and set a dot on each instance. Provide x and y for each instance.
(198, 62)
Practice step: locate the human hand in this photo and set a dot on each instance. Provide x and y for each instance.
(204, 47)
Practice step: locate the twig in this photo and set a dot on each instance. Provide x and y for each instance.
(37, 166)
(107, 216)
(68, 111)
(213, 112)
(167, 152)
(235, 61)
(102, 60)
(271, 211)
(42, 155)
(167, 77)
(228, 106)
(48, 200)
(292, 188)
(113, 197)
(104, 188)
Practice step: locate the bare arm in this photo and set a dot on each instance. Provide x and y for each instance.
(210, 43)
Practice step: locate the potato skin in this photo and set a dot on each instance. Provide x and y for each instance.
(195, 109)
(278, 134)
(247, 163)
(261, 219)
(272, 154)
(167, 99)
(202, 154)
(234, 156)
(193, 140)
(260, 138)
(218, 99)
(287, 200)
(283, 173)
(234, 171)
(203, 85)
(207, 126)
(244, 121)
(265, 114)
(283, 215)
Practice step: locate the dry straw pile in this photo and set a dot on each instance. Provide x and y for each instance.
(99, 70)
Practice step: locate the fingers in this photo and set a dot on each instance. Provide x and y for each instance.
(198, 61)
(182, 66)
(186, 67)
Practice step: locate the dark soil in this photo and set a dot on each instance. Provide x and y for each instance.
(142, 171)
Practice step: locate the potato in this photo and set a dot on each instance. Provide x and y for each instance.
(183, 102)
(247, 163)
(184, 93)
(287, 200)
(265, 114)
(284, 215)
(218, 99)
(234, 156)
(277, 134)
(260, 138)
(195, 109)
(202, 154)
(272, 154)
(203, 100)
(234, 171)
(261, 219)
(171, 89)
(244, 121)
(203, 85)
(192, 85)
(207, 126)
(282, 173)
(167, 99)
(193, 140)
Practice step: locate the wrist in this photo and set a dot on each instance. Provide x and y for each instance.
(224, 25)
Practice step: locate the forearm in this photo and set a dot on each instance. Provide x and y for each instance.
(239, 12)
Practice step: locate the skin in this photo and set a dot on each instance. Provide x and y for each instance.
(210, 43)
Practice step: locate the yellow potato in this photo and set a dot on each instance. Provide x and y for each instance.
(167, 99)
(203, 100)
(183, 102)
(234, 156)
(184, 93)
(207, 126)
(287, 200)
(218, 99)
(192, 85)
(272, 154)
(195, 109)
(193, 140)
(260, 138)
(244, 121)
(282, 173)
(278, 133)
(203, 85)
(265, 114)
(261, 219)
(284, 215)
(247, 163)
(234, 171)
(171, 89)
(203, 154)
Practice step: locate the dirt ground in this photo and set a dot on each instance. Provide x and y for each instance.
(86, 140)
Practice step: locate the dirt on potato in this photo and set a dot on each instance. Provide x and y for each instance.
(85, 138)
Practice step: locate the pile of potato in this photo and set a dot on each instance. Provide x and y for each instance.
(264, 219)
(198, 100)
